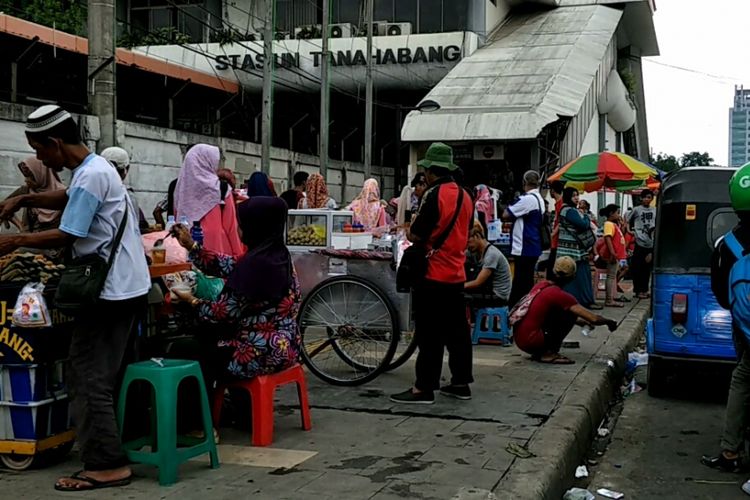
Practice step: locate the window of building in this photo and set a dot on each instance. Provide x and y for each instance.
(348, 11)
(430, 16)
(407, 11)
(455, 15)
(189, 17)
(384, 10)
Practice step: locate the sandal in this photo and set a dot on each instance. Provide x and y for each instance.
(557, 359)
(623, 299)
(595, 307)
(614, 304)
(93, 484)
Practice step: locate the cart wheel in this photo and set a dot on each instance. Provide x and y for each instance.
(349, 331)
(17, 462)
(407, 344)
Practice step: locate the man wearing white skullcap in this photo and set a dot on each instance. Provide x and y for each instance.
(95, 207)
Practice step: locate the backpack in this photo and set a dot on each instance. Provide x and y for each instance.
(520, 310)
(739, 285)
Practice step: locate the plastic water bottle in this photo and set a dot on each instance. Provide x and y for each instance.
(196, 232)
(170, 222)
(586, 331)
(184, 221)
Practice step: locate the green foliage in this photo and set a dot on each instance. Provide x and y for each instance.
(696, 159)
(69, 16)
(629, 79)
(669, 163)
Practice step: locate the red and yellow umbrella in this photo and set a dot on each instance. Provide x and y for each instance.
(597, 171)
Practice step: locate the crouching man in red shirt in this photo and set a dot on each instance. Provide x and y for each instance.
(547, 314)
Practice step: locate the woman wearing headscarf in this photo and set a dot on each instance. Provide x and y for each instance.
(261, 298)
(260, 185)
(316, 194)
(570, 244)
(198, 197)
(411, 197)
(39, 179)
(367, 208)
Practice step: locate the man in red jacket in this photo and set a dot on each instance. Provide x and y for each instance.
(439, 307)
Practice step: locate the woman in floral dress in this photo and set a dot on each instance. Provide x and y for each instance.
(261, 298)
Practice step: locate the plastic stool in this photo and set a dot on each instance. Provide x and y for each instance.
(165, 378)
(261, 390)
(491, 326)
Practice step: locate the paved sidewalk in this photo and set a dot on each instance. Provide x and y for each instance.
(362, 446)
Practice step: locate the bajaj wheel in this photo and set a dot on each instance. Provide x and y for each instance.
(17, 462)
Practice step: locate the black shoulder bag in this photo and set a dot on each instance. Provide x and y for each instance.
(82, 281)
(413, 267)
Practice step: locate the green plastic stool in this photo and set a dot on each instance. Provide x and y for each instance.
(165, 377)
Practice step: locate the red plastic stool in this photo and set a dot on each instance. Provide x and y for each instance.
(261, 390)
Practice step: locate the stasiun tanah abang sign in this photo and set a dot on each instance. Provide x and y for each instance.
(398, 56)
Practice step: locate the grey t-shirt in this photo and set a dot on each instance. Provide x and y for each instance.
(643, 221)
(501, 279)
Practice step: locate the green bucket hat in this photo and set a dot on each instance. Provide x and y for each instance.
(438, 155)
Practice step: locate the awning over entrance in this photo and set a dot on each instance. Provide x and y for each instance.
(535, 68)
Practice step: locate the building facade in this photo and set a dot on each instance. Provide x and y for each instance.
(739, 128)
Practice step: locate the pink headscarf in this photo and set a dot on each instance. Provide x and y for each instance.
(198, 188)
(485, 203)
(366, 207)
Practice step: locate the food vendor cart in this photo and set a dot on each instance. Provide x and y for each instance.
(34, 411)
(354, 323)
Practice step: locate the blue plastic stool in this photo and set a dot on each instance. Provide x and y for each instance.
(491, 327)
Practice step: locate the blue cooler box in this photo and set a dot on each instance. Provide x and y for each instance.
(26, 383)
(34, 420)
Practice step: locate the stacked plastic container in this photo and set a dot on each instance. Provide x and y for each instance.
(33, 401)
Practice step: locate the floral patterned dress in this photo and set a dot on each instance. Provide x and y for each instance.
(266, 336)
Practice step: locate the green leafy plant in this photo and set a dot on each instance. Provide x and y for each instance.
(161, 36)
(69, 16)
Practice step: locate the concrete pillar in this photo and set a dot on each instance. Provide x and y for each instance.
(102, 88)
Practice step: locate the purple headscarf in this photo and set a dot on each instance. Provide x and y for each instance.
(264, 273)
(198, 191)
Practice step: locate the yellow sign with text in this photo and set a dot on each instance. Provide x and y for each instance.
(12, 339)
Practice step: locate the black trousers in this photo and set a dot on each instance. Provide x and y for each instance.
(523, 278)
(640, 269)
(551, 263)
(101, 337)
(440, 323)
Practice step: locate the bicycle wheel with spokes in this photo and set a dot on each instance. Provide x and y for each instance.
(349, 329)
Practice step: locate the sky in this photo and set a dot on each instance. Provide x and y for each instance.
(689, 110)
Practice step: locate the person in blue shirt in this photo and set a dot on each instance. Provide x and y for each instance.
(93, 207)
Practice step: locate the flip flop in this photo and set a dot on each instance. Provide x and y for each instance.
(614, 304)
(93, 483)
(557, 360)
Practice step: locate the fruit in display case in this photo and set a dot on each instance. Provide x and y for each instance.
(310, 235)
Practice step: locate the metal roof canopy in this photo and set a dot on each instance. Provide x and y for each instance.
(535, 68)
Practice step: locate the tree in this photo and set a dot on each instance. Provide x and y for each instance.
(665, 162)
(696, 159)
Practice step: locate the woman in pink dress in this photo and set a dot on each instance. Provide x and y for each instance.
(367, 208)
(198, 197)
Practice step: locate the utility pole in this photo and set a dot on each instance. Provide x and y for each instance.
(268, 62)
(101, 69)
(369, 92)
(324, 92)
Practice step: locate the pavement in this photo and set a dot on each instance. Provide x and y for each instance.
(362, 446)
(657, 444)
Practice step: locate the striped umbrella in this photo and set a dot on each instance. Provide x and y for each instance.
(597, 171)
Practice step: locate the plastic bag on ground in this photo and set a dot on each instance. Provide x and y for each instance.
(31, 309)
(578, 494)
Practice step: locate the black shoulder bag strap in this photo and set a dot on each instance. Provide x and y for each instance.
(440, 241)
(118, 237)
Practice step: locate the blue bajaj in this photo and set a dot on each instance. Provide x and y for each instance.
(687, 322)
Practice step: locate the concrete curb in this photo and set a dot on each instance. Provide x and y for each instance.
(564, 439)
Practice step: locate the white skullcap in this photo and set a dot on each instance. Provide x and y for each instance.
(46, 117)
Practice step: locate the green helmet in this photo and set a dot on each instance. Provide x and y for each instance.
(739, 189)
